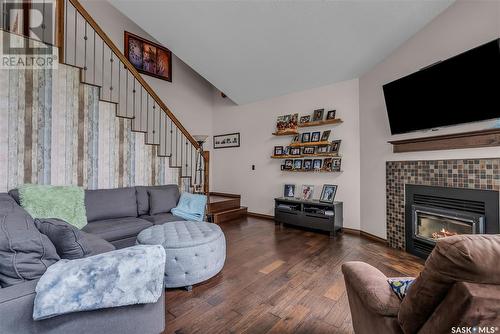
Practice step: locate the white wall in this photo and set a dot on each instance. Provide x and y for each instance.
(464, 25)
(257, 121)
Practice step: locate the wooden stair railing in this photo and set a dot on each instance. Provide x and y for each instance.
(83, 44)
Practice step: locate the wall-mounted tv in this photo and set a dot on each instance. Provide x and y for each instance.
(462, 89)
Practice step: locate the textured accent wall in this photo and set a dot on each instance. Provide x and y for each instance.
(54, 130)
(462, 173)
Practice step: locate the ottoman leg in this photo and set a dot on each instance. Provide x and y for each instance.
(188, 288)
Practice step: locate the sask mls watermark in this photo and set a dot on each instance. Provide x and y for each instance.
(474, 330)
(28, 35)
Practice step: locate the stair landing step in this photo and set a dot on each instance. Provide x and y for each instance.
(231, 214)
(218, 202)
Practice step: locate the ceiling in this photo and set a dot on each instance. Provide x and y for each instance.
(253, 50)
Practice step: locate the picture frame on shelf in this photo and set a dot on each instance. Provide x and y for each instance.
(295, 151)
(227, 140)
(296, 138)
(323, 149)
(289, 191)
(297, 164)
(287, 123)
(335, 146)
(307, 192)
(286, 150)
(328, 193)
(278, 150)
(309, 150)
(327, 165)
(305, 119)
(318, 115)
(326, 135)
(336, 164)
(306, 137)
(317, 163)
(307, 164)
(282, 167)
(315, 136)
(288, 164)
(331, 114)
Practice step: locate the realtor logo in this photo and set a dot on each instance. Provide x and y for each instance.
(475, 329)
(28, 34)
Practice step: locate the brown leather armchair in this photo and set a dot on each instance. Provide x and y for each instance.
(458, 287)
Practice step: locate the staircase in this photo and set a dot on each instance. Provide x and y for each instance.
(83, 45)
(225, 207)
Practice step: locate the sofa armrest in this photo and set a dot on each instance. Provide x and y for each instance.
(466, 305)
(371, 286)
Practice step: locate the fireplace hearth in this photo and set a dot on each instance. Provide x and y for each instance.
(433, 213)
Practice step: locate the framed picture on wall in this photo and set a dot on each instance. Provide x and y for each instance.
(227, 140)
(148, 58)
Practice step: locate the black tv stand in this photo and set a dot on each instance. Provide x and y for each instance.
(309, 213)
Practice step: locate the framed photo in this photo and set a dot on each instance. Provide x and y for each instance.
(288, 164)
(331, 114)
(317, 164)
(323, 149)
(287, 123)
(148, 57)
(307, 164)
(336, 146)
(297, 164)
(309, 150)
(315, 136)
(326, 135)
(278, 150)
(286, 150)
(295, 151)
(296, 139)
(305, 119)
(327, 165)
(282, 167)
(227, 140)
(306, 137)
(328, 193)
(289, 190)
(318, 114)
(307, 191)
(336, 164)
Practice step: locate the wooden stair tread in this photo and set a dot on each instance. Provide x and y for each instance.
(230, 214)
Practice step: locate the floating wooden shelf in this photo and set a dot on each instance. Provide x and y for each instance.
(323, 155)
(311, 171)
(318, 123)
(314, 143)
(474, 139)
(285, 133)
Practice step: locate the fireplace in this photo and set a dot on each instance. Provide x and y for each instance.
(433, 213)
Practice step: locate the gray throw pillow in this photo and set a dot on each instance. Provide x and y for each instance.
(70, 243)
(162, 200)
(25, 253)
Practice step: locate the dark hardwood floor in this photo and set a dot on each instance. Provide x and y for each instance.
(280, 280)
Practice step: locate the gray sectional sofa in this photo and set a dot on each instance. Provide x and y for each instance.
(115, 217)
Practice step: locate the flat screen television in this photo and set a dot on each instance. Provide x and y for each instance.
(462, 89)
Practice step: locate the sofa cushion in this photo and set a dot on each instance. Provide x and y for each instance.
(110, 203)
(162, 200)
(463, 258)
(68, 240)
(162, 218)
(143, 196)
(25, 253)
(97, 245)
(117, 228)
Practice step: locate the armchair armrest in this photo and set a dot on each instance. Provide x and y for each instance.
(370, 285)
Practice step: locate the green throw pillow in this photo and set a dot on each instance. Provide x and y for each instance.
(62, 202)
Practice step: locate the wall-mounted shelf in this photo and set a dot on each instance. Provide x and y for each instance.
(474, 139)
(311, 171)
(285, 133)
(318, 123)
(323, 155)
(313, 143)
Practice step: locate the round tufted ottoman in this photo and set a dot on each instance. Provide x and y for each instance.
(196, 251)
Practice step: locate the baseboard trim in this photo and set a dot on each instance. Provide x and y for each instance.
(345, 229)
(260, 215)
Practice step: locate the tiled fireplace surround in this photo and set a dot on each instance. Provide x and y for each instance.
(462, 173)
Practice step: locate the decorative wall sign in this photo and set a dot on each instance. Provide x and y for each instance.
(227, 140)
(148, 57)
